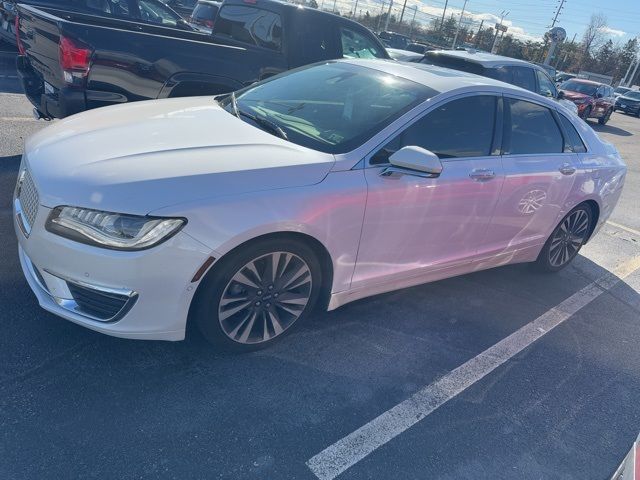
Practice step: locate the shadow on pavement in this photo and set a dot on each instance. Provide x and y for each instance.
(609, 129)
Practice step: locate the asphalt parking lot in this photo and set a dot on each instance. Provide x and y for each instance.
(498, 374)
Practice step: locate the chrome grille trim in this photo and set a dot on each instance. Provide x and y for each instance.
(26, 200)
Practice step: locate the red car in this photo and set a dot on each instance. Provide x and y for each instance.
(594, 99)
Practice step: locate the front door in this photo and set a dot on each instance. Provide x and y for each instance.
(414, 225)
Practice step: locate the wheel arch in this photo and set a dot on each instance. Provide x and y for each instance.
(595, 210)
(323, 255)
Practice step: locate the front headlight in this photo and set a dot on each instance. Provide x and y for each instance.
(111, 230)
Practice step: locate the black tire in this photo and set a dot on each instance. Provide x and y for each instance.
(544, 263)
(220, 279)
(587, 113)
(605, 119)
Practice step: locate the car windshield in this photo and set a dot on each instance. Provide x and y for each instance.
(585, 88)
(621, 90)
(634, 95)
(333, 107)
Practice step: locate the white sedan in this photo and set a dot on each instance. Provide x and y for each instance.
(320, 186)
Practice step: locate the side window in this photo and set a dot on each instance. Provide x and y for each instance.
(577, 145)
(315, 39)
(500, 73)
(545, 85)
(153, 11)
(530, 128)
(523, 77)
(250, 25)
(356, 45)
(457, 129)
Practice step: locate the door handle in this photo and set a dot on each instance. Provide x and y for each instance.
(567, 169)
(482, 174)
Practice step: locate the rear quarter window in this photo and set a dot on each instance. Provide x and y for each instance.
(574, 140)
(250, 25)
(530, 128)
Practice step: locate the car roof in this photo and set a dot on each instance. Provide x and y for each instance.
(588, 82)
(482, 58)
(439, 79)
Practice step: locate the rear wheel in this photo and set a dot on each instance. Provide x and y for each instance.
(603, 120)
(258, 294)
(566, 240)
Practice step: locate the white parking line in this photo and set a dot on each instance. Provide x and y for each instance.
(623, 227)
(17, 119)
(348, 451)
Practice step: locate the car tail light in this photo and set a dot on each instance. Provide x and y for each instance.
(16, 24)
(75, 59)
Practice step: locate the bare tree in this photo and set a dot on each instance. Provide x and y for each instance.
(594, 35)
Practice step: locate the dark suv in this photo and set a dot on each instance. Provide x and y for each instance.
(629, 102)
(593, 99)
(509, 70)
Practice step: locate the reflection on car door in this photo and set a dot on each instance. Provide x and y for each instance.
(539, 174)
(416, 225)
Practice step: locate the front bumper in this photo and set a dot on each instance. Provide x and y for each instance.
(157, 281)
(632, 109)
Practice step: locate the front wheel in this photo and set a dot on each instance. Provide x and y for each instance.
(258, 294)
(586, 114)
(566, 240)
(605, 119)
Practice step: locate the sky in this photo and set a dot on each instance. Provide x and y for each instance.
(527, 19)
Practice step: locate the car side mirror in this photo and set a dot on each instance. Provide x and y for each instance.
(560, 95)
(415, 160)
(599, 95)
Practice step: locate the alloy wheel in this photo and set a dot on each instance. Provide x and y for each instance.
(265, 297)
(568, 238)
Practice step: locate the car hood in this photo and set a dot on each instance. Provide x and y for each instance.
(622, 98)
(570, 95)
(139, 157)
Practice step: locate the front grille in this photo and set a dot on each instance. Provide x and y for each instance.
(28, 196)
(99, 304)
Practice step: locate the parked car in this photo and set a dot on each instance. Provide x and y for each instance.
(107, 60)
(204, 14)
(619, 91)
(564, 76)
(593, 99)
(510, 70)
(547, 68)
(8, 12)
(419, 48)
(628, 103)
(404, 55)
(182, 7)
(324, 185)
(394, 40)
(144, 11)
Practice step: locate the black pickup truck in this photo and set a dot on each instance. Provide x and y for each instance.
(73, 61)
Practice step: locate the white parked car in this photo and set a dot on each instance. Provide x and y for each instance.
(326, 184)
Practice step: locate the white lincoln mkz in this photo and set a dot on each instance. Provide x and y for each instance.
(323, 185)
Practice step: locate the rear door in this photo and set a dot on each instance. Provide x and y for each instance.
(540, 170)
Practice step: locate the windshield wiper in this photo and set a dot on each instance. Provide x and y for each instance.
(263, 122)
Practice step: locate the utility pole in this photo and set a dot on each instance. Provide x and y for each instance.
(413, 21)
(402, 14)
(455, 39)
(380, 17)
(555, 17)
(633, 75)
(355, 10)
(477, 42)
(334, 6)
(386, 24)
(495, 37)
(446, 2)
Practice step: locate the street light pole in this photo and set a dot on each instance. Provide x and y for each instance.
(402, 14)
(380, 17)
(413, 21)
(455, 39)
(446, 2)
(386, 24)
(495, 37)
